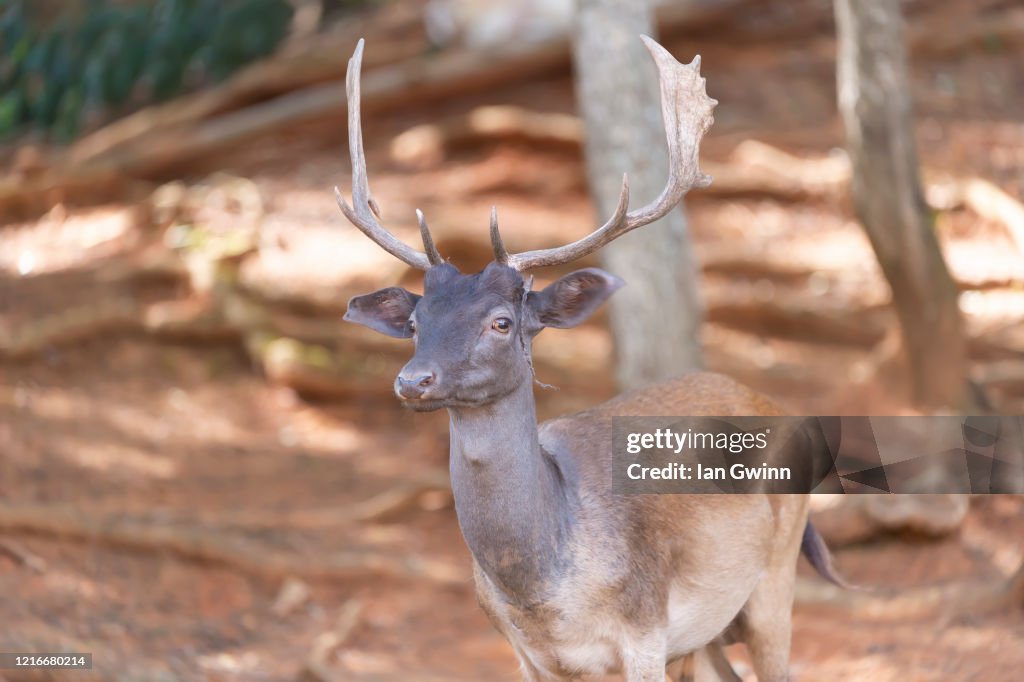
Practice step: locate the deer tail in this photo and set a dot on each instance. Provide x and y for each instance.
(814, 548)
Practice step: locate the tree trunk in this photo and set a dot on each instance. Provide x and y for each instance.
(656, 319)
(874, 100)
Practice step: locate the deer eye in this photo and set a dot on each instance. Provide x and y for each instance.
(502, 324)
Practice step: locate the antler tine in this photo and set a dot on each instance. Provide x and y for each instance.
(615, 226)
(428, 242)
(687, 113)
(364, 210)
(500, 253)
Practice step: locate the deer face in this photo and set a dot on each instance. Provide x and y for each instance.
(473, 332)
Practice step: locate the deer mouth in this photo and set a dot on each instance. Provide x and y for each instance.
(423, 404)
(433, 403)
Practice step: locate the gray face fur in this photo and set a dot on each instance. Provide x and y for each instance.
(473, 332)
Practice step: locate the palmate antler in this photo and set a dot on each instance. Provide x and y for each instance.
(687, 113)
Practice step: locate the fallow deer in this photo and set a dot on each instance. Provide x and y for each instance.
(580, 580)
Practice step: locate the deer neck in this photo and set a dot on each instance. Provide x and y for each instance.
(510, 497)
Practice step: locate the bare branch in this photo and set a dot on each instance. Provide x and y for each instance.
(364, 212)
(687, 113)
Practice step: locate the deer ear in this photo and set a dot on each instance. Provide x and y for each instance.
(572, 299)
(386, 311)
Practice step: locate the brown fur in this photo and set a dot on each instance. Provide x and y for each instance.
(691, 542)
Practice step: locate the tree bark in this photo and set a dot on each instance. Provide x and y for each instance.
(656, 319)
(875, 103)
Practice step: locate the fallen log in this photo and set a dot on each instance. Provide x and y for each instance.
(314, 64)
(741, 262)
(313, 371)
(199, 544)
(383, 506)
(862, 327)
(25, 197)
(104, 316)
(426, 145)
(754, 169)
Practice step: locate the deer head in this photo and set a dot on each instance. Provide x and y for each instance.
(473, 332)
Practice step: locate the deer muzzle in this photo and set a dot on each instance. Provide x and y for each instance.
(414, 383)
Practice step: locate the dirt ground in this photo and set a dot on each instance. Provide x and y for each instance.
(190, 440)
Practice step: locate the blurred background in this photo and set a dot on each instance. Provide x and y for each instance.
(203, 472)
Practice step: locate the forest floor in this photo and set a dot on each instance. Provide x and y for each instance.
(190, 445)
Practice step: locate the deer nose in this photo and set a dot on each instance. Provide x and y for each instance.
(414, 384)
